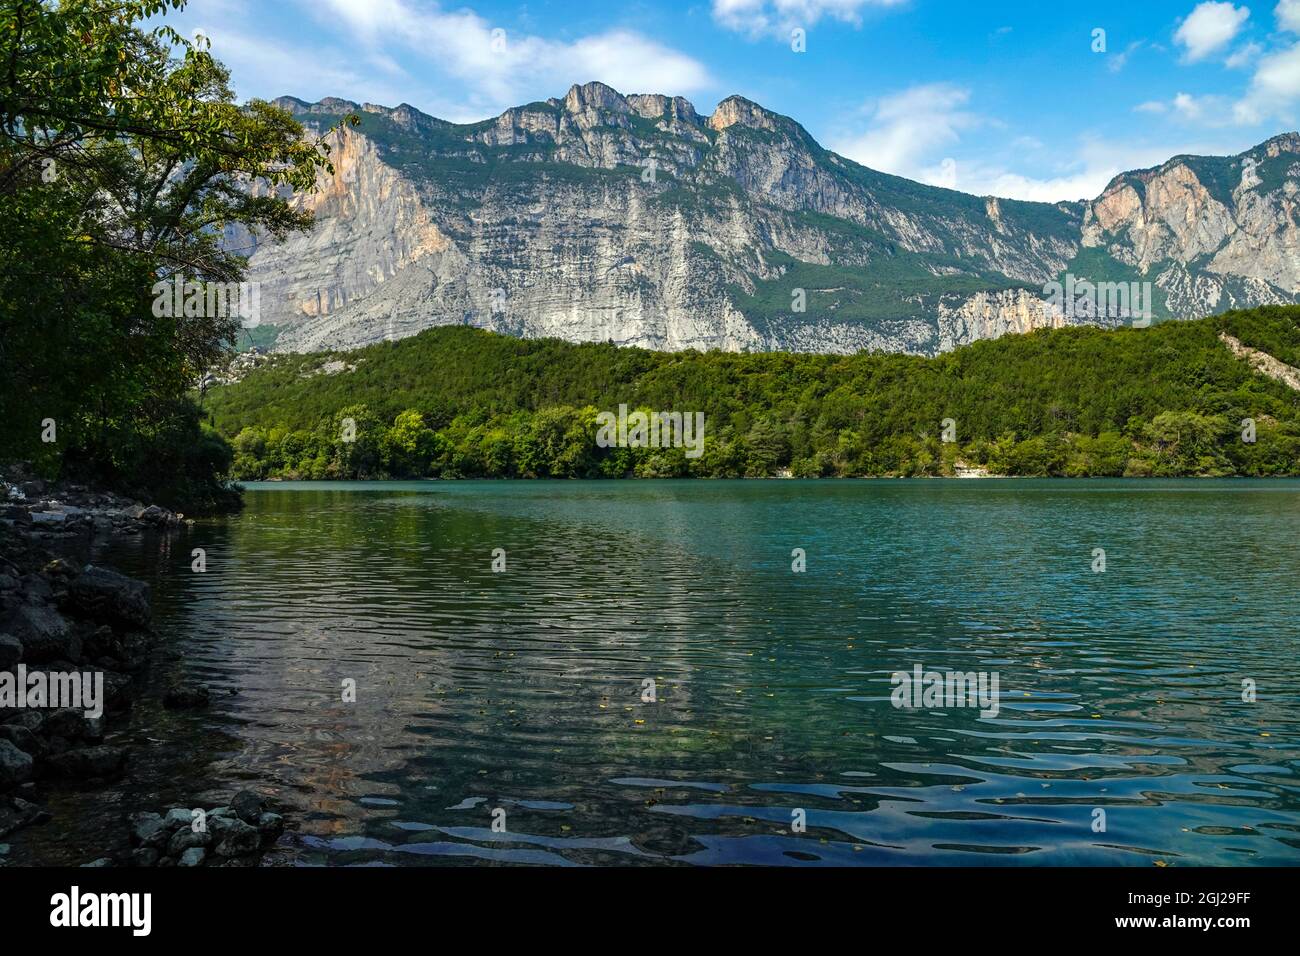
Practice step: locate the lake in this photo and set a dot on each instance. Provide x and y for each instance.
(508, 716)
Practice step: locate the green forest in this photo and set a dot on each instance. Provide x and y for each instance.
(456, 402)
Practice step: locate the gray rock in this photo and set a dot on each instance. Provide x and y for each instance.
(392, 252)
(31, 719)
(153, 514)
(145, 827)
(178, 817)
(22, 738)
(248, 806)
(36, 590)
(15, 765)
(238, 839)
(183, 840)
(44, 634)
(16, 813)
(102, 861)
(92, 728)
(11, 651)
(107, 595)
(67, 722)
(144, 856)
(192, 857)
(270, 825)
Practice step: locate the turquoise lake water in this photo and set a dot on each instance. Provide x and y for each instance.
(519, 698)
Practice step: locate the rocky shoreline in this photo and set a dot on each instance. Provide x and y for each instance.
(231, 835)
(74, 644)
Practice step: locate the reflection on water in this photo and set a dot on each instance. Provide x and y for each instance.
(522, 692)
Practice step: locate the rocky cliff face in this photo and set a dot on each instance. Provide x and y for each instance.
(1212, 232)
(636, 220)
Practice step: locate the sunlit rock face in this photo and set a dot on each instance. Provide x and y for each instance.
(634, 219)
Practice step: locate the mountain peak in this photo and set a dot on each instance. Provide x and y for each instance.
(738, 110)
(653, 106)
(1204, 166)
(1281, 143)
(595, 96)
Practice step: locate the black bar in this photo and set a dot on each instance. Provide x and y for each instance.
(384, 905)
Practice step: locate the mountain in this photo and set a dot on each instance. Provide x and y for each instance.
(636, 220)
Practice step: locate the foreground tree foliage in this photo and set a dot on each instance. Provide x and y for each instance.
(1167, 401)
(123, 158)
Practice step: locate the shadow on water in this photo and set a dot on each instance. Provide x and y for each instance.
(517, 697)
(171, 752)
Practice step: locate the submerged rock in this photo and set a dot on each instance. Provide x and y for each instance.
(98, 761)
(187, 698)
(16, 813)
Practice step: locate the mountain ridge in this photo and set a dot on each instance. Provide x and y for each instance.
(636, 219)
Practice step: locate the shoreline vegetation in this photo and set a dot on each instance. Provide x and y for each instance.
(124, 160)
(1180, 399)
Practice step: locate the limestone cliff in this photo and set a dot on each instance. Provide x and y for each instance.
(637, 220)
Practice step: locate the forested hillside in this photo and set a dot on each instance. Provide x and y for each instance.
(457, 402)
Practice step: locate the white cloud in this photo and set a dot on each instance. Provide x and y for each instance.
(1208, 28)
(779, 17)
(1245, 56)
(1117, 61)
(1287, 14)
(1201, 110)
(1189, 107)
(257, 69)
(1095, 163)
(499, 67)
(1273, 90)
(916, 133)
(908, 127)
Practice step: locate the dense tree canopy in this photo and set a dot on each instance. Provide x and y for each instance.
(452, 402)
(123, 158)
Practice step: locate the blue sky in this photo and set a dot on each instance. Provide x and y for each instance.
(1004, 98)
